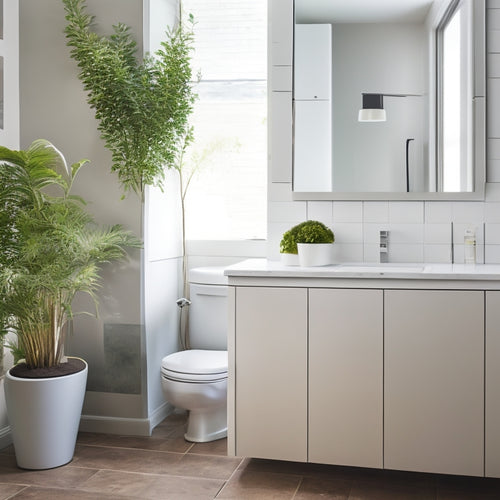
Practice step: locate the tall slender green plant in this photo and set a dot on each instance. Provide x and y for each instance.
(50, 249)
(142, 107)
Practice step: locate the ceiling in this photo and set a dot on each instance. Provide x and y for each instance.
(362, 11)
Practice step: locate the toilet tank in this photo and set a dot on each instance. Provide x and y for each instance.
(208, 310)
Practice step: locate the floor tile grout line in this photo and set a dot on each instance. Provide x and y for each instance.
(298, 487)
(17, 492)
(153, 474)
(130, 448)
(187, 452)
(230, 477)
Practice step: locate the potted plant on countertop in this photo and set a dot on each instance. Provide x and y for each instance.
(288, 247)
(314, 244)
(50, 250)
(308, 244)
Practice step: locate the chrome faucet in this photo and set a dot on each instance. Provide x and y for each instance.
(384, 246)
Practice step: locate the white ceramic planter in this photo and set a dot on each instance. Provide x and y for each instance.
(315, 254)
(289, 259)
(44, 416)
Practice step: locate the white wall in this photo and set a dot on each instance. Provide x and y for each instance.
(420, 231)
(163, 246)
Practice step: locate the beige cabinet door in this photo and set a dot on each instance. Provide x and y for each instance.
(346, 377)
(434, 381)
(271, 373)
(492, 420)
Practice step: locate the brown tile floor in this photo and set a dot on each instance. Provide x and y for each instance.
(164, 466)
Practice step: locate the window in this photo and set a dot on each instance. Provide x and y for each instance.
(455, 98)
(227, 197)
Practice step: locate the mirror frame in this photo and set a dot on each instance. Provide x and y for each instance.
(479, 130)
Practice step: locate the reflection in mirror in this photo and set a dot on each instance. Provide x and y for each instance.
(369, 82)
(455, 98)
(1, 92)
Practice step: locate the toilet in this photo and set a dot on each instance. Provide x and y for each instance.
(196, 379)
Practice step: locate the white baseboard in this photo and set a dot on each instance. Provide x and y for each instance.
(125, 426)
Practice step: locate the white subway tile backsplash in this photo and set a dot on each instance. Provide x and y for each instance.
(438, 212)
(492, 212)
(321, 211)
(493, 170)
(459, 232)
(459, 254)
(493, 119)
(437, 234)
(371, 252)
(371, 232)
(398, 233)
(493, 20)
(492, 234)
(405, 234)
(406, 253)
(492, 191)
(279, 191)
(376, 211)
(348, 232)
(292, 212)
(437, 254)
(347, 252)
(493, 41)
(406, 212)
(493, 147)
(493, 65)
(469, 212)
(280, 145)
(347, 211)
(492, 255)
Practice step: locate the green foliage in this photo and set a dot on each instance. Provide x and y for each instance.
(313, 231)
(310, 231)
(142, 108)
(50, 249)
(288, 242)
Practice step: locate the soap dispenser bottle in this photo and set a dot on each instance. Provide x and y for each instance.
(470, 246)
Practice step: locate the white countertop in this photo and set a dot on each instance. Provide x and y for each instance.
(263, 268)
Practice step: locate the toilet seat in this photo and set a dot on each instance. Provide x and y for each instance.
(195, 366)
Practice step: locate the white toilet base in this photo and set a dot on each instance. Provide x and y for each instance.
(206, 425)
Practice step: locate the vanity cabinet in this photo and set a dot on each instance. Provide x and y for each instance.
(376, 376)
(346, 377)
(271, 373)
(492, 392)
(434, 381)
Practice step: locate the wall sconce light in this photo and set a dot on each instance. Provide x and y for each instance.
(373, 107)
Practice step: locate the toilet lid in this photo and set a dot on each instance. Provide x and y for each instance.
(195, 365)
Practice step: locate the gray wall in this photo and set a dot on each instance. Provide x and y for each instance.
(123, 391)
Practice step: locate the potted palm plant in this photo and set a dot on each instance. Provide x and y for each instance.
(50, 250)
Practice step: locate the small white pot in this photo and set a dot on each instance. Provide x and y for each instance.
(289, 259)
(315, 254)
(44, 416)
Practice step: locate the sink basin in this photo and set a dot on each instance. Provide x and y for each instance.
(380, 268)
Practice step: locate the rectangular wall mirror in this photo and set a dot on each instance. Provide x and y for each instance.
(389, 99)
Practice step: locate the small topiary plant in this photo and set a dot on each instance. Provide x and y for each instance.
(310, 231)
(313, 231)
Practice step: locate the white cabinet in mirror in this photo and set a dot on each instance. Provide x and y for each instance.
(416, 70)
